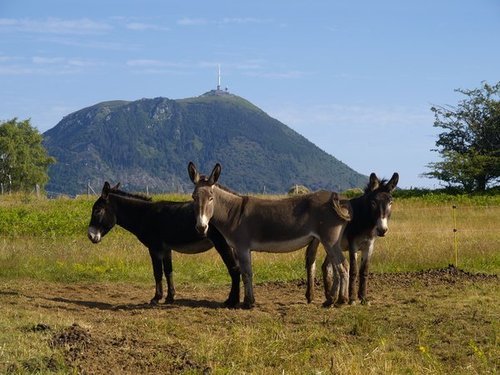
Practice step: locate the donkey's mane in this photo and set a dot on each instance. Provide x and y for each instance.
(225, 188)
(222, 187)
(122, 193)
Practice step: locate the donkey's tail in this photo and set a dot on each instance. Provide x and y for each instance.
(342, 207)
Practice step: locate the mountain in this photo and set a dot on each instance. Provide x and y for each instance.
(147, 144)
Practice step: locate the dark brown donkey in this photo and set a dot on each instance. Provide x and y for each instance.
(162, 227)
(370, 216)
(272, 225)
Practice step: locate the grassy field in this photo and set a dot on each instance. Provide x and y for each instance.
(62, 298)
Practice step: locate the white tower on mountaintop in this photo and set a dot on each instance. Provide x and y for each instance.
(218, 82)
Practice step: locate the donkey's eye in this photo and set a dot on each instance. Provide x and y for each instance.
(210, 199)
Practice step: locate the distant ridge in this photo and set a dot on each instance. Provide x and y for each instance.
(147, 144)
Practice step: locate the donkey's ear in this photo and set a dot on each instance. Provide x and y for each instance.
(391, 185)
(374, 182)
(215, 174)
(193, 173)
(105, 190)
(116, 187)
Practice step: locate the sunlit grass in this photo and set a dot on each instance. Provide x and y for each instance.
(46, 239)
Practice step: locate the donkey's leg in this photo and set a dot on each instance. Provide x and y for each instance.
(364, 270)
(327, 269)
(339, 292)
(229, 259)
(156, 259)
(167, 268)
(245, 259)
(311, 252)
(353, 273)
(343, 271)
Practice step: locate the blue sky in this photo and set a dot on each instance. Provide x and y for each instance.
(357, 78)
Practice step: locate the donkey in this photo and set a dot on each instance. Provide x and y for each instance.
(272, 225)
(370, 216)
(162, 227)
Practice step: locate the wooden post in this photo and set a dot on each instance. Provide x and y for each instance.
(455, 230)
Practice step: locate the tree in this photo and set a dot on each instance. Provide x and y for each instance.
(470, 143)
(23, 159)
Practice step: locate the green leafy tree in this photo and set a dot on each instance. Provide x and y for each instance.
(470, 143)
(23, 159)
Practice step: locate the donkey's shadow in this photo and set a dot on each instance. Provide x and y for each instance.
(105, 306)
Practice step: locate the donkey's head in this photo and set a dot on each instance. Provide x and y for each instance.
(378, 194)
(203, 196)
(103, 217)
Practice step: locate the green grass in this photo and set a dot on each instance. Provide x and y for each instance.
(46, 239)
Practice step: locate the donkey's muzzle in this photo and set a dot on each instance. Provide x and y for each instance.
(202, 229)
(94, 235)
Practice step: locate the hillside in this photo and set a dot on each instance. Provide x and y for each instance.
(149, 142)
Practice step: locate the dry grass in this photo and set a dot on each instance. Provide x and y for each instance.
(422, 236)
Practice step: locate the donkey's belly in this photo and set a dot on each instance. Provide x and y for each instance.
(193, 247)
(281, 246)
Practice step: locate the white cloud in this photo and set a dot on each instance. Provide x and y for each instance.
(192, 21)
(138, 26)
(47, 60)
(154, 63)
(188, 21)
(43, 65)
(93, 44)
(7, 58)
(54, 26)
(352, 115)
(243, 20)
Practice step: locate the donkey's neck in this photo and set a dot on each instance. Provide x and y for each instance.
(130, 212)
(228, 207)
(362, 220)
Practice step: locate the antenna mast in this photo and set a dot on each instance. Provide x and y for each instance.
(218, 82)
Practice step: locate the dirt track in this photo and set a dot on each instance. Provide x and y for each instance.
(97, 326)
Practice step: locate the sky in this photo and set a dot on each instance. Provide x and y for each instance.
(356, 78)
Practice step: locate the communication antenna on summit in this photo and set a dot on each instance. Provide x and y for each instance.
(218, 82)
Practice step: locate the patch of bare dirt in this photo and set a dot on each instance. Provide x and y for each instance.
(447, 275)
(88, 354)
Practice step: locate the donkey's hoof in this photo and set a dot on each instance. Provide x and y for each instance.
(309, 297)
(352, 302)
(342, 301)
(247, 305)
(365, 302)
(328, 303)
(154, 302)
(169, 300)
